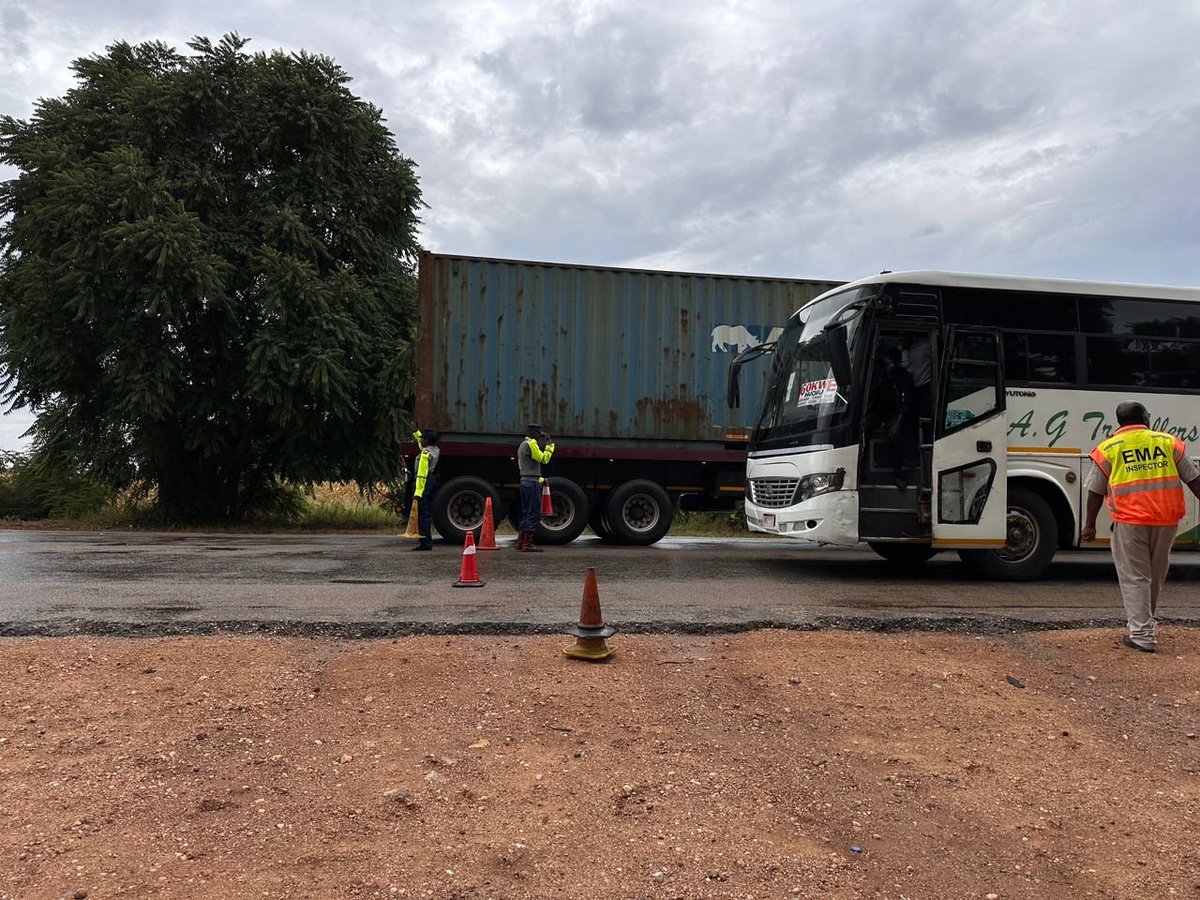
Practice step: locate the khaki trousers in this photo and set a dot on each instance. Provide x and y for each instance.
(1142, 554)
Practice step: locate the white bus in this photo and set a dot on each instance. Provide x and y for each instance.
(1025, 377)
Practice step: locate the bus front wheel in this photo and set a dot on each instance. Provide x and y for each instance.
(1031, 537)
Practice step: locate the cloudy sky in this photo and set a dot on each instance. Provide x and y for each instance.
(805, 138)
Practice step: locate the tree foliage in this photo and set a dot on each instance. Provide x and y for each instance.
(207, 275)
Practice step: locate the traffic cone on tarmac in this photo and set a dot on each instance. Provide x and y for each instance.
(413, 530)
(590, 633)
(487, 533)
(469, 573)
(547, 503)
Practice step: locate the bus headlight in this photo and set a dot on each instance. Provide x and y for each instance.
(819, 483)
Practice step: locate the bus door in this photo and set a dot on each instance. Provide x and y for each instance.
(970, 487)
(897, 436)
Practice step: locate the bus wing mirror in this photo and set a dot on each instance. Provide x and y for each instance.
(733, 390)
(839, 353)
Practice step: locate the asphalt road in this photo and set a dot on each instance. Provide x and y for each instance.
(371, 585)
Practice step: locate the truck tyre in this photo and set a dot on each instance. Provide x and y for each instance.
(459, 504)
(1031, 539)
(639, 512)
(570, 515)
(903, 554)
(598, 520)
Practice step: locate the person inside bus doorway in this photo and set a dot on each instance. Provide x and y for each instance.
(1141, 473)
(892, 408)
(918, 358)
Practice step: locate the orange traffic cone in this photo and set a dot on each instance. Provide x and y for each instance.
(590, 633)
(469, 574)
(412, 531)
(487, 534)
(547, 504)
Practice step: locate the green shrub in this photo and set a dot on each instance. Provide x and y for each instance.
(710, 524)
(31, 490)
(322, 516)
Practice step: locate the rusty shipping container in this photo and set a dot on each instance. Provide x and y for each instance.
(626, 368)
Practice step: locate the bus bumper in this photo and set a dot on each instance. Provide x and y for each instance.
(825, 519)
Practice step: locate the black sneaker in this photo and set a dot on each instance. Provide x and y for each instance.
(1134, 645)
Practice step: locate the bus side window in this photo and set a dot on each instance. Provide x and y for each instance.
(1039, 358)
(972, 386)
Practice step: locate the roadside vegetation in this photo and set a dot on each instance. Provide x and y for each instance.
(39, 494)
(710, 524)
(44, 491)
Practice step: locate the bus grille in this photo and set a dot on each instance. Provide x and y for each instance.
(773, 492)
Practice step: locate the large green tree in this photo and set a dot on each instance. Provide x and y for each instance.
(207, 275)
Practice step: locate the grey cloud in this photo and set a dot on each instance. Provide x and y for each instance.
(609, 76)
(932, 229)
(14, 30)
(784, 138)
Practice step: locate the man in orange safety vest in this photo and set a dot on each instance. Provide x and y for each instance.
(1141, 474)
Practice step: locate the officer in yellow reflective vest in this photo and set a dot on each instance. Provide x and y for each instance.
(1141, 473)
(425, 484)
(532, 452)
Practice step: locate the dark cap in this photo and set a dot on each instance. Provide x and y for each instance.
(533, 426)
(430, 435)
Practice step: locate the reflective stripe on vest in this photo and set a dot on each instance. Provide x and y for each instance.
(1143, 476)
(539, 455)
(422, 473)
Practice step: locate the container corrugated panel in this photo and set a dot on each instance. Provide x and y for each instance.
(603, 353)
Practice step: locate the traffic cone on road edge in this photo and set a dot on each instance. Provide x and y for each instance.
(487, 533)
(590, 633)
(413, 530)
(469, 573)
(547, 503)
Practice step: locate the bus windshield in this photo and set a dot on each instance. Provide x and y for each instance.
(804, 402)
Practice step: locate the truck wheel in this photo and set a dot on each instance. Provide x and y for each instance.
(459, 504)
(598, 520)
(1031, 539)
(570, 514)
(639, 512)
(903, 554)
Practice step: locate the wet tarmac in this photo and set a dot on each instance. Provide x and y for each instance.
(138, 583)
